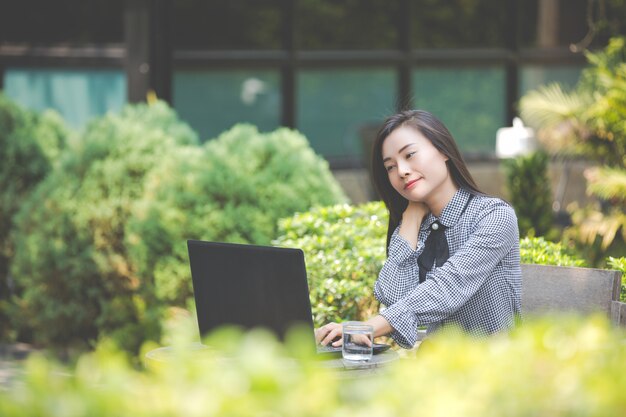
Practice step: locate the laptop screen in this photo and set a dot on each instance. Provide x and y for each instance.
(249, 286)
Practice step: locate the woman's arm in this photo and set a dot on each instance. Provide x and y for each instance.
(399, 274)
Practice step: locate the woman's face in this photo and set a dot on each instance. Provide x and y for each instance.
(416, 169)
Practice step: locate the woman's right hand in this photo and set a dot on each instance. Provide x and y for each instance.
(415, 211)
(329, 332)
(412, 221)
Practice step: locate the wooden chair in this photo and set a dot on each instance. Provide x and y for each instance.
(547, 288)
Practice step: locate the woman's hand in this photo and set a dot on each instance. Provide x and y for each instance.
(412, 220)
(415, 211)
(329, 332)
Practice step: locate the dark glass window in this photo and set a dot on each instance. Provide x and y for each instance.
(548, 27)
(470, 101)
(213, 101)
(77, 94)
(62, 21)
(460, 23)
(227, 24)
(335, 105)
(347, 24)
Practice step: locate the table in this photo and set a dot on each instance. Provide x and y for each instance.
(376, 365)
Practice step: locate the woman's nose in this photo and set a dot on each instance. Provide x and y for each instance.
(403, 170)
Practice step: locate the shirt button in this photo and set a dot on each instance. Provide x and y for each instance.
(435, 226)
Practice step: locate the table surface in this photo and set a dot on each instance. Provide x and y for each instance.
(346, 368)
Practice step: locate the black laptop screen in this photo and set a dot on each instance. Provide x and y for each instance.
(249, 286)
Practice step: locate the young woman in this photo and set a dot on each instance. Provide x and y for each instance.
(452, 252)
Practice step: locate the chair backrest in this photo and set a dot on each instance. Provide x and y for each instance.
(547, 288)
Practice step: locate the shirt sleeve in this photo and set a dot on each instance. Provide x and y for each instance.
(399, 275)
(450, 286)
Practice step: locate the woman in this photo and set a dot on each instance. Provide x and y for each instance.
(452, 251)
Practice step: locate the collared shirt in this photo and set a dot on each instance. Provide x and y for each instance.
(478, 288)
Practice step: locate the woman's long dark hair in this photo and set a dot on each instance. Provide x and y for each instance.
(437, 133)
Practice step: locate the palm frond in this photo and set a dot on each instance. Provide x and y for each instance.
(550, 105)
(607, 183)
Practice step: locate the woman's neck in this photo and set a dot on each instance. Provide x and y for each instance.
(442, 197)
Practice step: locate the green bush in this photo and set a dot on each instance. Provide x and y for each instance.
(234, 189)
(29, 145)
(560, 368)
(344, 248)
(71, 260)
(530, 194)
(537, 250)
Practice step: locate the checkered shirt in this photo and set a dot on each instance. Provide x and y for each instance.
(479, 287)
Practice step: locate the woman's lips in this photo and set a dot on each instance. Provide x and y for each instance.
(410, 184)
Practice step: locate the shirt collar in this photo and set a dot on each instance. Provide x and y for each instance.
(451, 212)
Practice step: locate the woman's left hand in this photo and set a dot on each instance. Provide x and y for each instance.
(329, 332)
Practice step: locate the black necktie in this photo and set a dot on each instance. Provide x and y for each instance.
(436, 246)
(435, 250)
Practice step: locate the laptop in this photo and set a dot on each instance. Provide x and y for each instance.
(252, 286)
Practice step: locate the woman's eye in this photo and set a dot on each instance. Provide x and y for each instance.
(410, 154)
(389, 168)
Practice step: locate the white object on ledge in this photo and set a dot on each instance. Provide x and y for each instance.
(516, 140)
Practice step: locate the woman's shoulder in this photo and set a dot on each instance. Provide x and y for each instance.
(485, 205)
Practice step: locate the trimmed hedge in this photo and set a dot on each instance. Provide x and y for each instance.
(537, 250)
(233, 189)
(70, 259)
(345, 250)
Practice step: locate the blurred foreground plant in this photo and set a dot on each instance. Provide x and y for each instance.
(562, 366)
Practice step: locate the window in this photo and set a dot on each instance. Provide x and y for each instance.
(67, 21)
(347, 24)
(213, 101)
(334, 105)
(534, 76)
(460, 23)
(469, 101)
(227, 24)
(77, 94)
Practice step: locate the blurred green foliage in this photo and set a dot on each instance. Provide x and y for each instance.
(233, 189)
(589, 122)
(530, 193)
(344, 248)
(29, 147)
(559, 367)
(619, 264)
(537, 250)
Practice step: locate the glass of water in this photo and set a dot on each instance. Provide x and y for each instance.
(357, 341)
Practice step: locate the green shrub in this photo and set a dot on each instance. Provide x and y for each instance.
(619, 264)
(537, 250)
(70, 259)
(529, 192)
(559, 368)
(29, 145)
(234, 189)
(344, 248)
